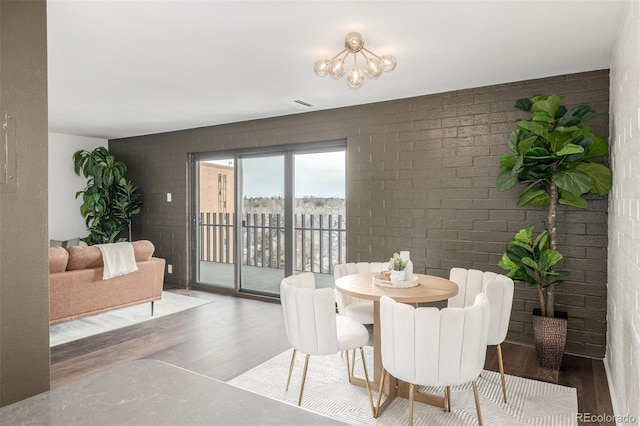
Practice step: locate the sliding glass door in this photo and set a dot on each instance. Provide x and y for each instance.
(216, 219)
(319, 213)
(262, 215)
(263, 222)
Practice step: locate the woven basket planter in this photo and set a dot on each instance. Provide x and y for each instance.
(550, 335)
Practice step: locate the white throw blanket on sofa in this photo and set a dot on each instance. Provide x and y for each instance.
(118, 259)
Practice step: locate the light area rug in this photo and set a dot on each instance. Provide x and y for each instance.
(328, 392)
(107, 321)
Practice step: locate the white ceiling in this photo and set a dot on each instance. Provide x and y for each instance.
(125, 68)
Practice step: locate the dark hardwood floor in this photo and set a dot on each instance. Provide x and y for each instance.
(231, 335)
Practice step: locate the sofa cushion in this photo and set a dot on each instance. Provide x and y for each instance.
(143, 250)
(58, 258)
(91, 257)
(84, 257)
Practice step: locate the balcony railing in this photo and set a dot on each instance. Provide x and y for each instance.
(320, 240)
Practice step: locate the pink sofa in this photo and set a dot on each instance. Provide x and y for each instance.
(76, 287)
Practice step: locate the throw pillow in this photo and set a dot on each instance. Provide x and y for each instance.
(58, 258)
(67, 243)
(55, 243)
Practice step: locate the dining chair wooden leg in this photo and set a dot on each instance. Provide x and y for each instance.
(444, 404)
(377, 411)
(412, 391)
(501, 365)
(304, 377)
(447, 399)
(475, 394)
(353, 361)
(293, 359)
(366, 380)
(349, 370)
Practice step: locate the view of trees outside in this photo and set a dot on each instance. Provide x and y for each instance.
(320, 220)
(320, 229)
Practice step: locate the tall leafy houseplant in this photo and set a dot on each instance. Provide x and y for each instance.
(109, 200)
(530, 259)
(555, 155)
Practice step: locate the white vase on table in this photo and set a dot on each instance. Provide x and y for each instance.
(408, 270)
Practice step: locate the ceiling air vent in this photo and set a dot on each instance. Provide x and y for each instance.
(303, 103)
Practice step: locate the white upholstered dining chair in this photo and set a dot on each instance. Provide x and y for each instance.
(499, 292)
(431, 347)
(313, 328)
(360, 310)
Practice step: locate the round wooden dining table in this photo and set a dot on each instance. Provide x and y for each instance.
(429, 289)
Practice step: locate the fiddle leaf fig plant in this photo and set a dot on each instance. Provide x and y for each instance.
(530, 259)
(109, 200)
(556, 157)
(127, 202)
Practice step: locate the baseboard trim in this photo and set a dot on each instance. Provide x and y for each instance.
(612, 390)
(531, 345)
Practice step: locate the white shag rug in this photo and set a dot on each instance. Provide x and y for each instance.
(107, 321)
(327, 391)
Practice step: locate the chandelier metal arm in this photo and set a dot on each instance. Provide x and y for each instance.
(370, 52)
(344, 50)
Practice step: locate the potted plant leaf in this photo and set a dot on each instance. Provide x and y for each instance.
(556, 157)
(530, 259)
(109, 200)
(397, 266)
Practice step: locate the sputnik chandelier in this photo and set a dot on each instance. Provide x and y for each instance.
(374, 65)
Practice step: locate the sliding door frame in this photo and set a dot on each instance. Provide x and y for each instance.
(288, 151)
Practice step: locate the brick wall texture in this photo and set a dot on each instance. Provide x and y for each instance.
(623, 316)
(421, 176)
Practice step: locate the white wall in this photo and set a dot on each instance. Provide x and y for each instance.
(623, 311)
(65, 221)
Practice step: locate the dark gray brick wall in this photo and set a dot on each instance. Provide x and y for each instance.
(420, 176)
